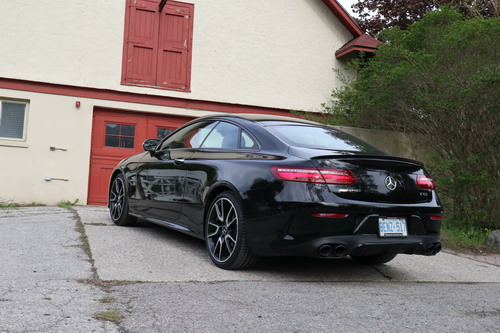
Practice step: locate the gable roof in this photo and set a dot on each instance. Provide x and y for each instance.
(344, 17)
(363, 43)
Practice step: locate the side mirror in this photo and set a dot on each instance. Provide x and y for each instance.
(150, 145)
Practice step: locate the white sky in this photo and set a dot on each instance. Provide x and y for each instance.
(347, 4)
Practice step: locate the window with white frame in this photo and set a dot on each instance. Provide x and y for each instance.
(12, 119)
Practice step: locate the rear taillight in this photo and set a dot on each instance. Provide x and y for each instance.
(306, 175)
(313, 175)
(425, 182)
(335, 215)
(338, 177)
(437, 217)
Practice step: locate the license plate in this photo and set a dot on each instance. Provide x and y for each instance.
(392, 227)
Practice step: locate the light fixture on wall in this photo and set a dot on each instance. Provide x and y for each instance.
(77, 104)
(53, 148)
(48, 179)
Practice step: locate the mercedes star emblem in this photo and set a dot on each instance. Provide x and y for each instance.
(390, 183)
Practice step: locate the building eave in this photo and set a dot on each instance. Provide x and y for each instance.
(344, 17)
(363, 43)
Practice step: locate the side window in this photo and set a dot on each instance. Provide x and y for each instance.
(228, 136)
(12, 119)
(225, 136)
(247, 142)
(189, 137)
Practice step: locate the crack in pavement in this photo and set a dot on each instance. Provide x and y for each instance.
(387, 276)
(196, 297)
(41, 263)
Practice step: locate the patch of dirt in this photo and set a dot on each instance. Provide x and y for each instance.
(488, 258)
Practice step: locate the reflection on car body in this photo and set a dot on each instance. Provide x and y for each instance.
(257, 185)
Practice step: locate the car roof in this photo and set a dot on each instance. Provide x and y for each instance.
(257, 117)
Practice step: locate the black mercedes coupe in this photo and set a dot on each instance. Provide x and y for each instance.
(256, 185)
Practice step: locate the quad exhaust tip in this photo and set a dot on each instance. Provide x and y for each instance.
(328, 250)
(433, 249)
(325, 250)
(340, 251)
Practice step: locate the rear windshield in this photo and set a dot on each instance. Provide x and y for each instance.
(319, 137)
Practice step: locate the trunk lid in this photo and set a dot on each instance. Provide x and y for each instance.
(380, 178)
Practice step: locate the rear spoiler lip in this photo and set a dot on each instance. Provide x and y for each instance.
(346, 155)
(369, 157)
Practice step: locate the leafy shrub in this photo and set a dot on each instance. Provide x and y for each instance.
(439, 78)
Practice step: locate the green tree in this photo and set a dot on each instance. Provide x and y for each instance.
(439, 78)
(376, 15)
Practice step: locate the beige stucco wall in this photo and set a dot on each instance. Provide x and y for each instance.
(277, 53)
(54, 120)
(395, 143)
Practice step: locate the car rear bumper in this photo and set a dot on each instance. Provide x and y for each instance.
(302, 228)
(295, 233)
(359, 245)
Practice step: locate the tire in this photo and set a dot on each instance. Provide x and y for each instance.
(375, 259)
(118, 203)
(225, 234)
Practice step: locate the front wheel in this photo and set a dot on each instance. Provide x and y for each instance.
(225, 234)
(118, 203)
(375, 259)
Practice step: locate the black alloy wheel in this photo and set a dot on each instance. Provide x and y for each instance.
(225, 234)
(118, 203)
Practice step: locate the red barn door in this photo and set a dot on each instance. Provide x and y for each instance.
(117, 135)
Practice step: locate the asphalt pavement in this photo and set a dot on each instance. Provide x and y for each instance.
(153, 279)
(41, 264)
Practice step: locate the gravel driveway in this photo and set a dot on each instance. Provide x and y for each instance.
(150, 279)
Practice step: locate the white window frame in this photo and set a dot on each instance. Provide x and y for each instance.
(16, 142)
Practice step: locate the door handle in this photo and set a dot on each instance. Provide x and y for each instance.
(179, 161)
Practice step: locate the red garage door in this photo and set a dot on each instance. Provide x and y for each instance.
(116, 135)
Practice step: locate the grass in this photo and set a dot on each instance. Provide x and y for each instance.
(107, 300)
(9, 205)
(32, 204)
(112, 316)
(66, 203)
(15, 205)
(462, 237)
(85, 244)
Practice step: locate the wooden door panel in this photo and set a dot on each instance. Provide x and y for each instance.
(156, 124)
(100, 172)
(100, 133)
(114, 140)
